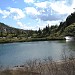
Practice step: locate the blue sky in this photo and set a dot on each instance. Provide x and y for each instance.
(32, 14)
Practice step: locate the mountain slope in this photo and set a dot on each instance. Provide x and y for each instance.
(68, 27)
(5, 29)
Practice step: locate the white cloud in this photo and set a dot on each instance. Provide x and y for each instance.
(4, 13)
(20, 24)
(24, 26)
(42, 4)
(62, 8)
(53, 22)
(41, 24)
(16, 13)
(46, 12)
(31, 11)
(29, 1)
(19, 13)
(51, 11)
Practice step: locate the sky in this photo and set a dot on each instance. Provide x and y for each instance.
(34, 14)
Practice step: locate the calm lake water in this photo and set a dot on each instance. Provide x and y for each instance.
(12, 54)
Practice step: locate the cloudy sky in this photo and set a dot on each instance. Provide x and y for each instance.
(32, 14)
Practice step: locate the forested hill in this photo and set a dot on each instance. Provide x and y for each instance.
(50, 32)
(6, 30)
(68, 27)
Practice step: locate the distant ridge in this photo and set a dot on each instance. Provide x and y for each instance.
(7, 29)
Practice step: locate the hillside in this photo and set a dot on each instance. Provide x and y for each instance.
(53, 32)
(5, 30)
(68, 27)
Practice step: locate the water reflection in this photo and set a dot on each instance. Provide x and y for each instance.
(18, 53)
(70, 48)
(71, 45)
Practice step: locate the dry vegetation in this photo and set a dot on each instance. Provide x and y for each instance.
(44, 67)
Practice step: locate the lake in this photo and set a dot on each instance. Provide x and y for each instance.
(12, 54)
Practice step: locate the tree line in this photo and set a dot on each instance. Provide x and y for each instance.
(63, 29)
